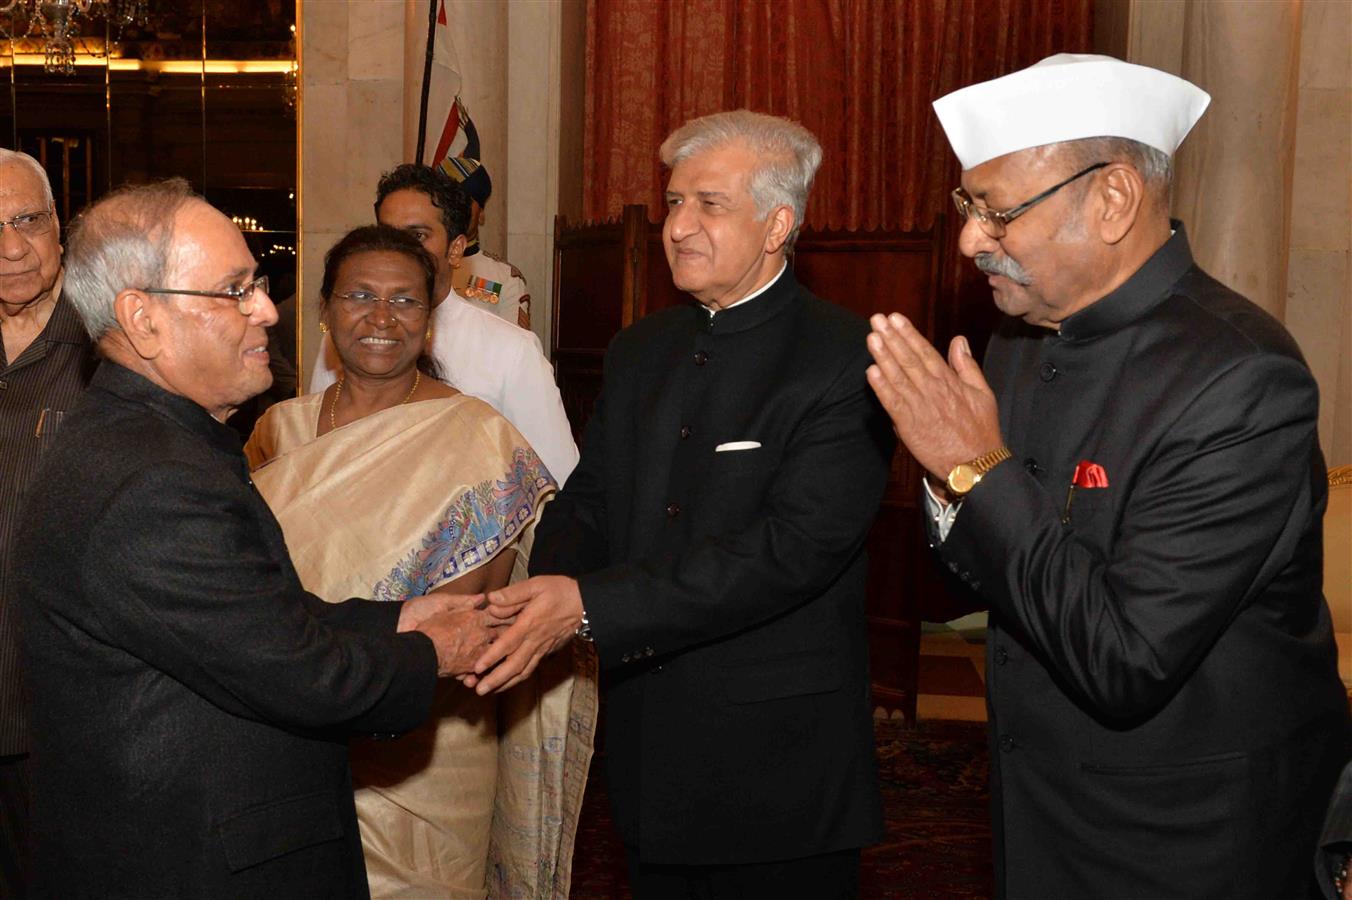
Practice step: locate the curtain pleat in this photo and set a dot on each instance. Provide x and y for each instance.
(861, 74)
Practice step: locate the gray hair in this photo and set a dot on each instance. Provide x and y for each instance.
(122, 241)
(789, 156)
(17, 156)
(1155, 166)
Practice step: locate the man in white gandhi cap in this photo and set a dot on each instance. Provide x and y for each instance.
(1133, 483)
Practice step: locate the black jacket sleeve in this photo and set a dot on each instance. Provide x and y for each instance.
(1210, 520)
(183, 579)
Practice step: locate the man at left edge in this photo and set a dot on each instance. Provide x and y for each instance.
(45, 361)
(190, 702)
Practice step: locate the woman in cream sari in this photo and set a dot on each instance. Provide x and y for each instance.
(387, 485)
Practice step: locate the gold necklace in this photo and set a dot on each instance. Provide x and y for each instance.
(338, 392)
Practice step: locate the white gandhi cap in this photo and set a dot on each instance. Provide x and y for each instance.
(1065, 98)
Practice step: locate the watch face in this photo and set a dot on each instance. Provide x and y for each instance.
(962, 479)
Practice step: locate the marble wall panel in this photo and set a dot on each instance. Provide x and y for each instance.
(532, 164)
(1233, 183)
(324, 43)
(1326, 43)
(1319, 278)
(373, 144)
(375, 40)
(1321, 206)
(323, 166)
(1316, 315)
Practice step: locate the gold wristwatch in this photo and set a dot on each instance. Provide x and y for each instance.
(968, 475)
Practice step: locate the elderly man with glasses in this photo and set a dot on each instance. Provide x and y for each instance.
(190, 701)
(45, 361)
(1137, 494)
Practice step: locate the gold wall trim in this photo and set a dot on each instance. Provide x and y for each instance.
(302, 376)
(169, 66)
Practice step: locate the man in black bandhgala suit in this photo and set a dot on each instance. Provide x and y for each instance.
(711, 543)
(190, 701)
(1135, 487)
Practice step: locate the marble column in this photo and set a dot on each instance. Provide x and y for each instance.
(1319, 277)
(545, 92)
(1265, 181)
(352, 88)
(1233, 180)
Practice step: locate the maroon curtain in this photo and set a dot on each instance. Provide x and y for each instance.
(859, 73)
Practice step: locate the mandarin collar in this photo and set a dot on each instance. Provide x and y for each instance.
(128, 385)
(1143, 291)
(761, 309)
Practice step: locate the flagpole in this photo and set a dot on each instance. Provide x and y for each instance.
(427, 77)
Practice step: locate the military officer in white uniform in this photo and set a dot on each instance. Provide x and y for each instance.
(485, 279)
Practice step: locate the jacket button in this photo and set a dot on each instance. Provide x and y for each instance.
(685, 431)
(1007, 743)
(701, 357)
(1030, 466)
(1001, 656)
(1048, 371)
(3, 385)
(673, 510)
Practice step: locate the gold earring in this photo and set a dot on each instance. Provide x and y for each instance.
(323, 327)
(428, 335)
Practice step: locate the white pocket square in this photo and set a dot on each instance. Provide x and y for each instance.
(737, 445)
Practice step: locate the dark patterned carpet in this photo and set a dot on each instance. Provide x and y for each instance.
(935, 802)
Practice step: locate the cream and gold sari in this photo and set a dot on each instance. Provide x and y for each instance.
(483, 799)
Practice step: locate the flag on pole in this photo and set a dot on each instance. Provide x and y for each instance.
(449, 131)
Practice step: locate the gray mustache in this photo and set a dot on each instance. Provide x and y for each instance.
(1002, 265)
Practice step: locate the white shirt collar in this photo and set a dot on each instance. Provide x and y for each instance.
(754, 294)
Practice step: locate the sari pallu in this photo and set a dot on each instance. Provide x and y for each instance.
(483, 799)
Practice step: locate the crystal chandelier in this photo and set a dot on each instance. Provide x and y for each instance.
(56, 23)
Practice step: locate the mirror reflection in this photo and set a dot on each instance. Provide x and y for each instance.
(103, 92)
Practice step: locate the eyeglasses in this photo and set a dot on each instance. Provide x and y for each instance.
(245, 296)
(993, 221)
(402, 307)
(30, 225)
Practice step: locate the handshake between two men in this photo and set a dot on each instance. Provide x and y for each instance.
(492, 642)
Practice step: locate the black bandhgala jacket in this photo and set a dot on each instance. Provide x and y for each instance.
(190, 701)
(1166, 715)
(725, 588)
